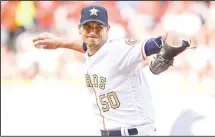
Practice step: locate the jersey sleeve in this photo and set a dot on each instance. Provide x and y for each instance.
(128, 53)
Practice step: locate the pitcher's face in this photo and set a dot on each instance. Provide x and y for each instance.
(94, 34)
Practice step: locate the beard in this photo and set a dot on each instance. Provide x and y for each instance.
(92, 45)
(95, 44)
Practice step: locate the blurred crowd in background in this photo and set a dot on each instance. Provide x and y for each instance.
(23, 20)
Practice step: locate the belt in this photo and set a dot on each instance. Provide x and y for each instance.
(132, 131)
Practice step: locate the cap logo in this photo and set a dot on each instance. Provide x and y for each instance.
(93, 11)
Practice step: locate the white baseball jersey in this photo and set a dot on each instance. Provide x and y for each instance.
(118, 85)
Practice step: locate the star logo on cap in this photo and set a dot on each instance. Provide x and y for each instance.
(93, 11)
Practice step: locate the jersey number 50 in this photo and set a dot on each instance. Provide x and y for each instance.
(112, 99)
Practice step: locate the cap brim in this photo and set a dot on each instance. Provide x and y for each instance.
(93, 20)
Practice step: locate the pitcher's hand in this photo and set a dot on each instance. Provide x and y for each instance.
(47, 41)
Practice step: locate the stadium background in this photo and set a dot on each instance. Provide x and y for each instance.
(43, 91)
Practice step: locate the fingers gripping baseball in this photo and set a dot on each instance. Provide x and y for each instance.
(46, 41)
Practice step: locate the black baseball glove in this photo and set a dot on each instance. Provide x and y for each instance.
(165, 57)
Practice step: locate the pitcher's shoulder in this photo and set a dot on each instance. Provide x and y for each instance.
(117, 41)
(131, 41)
(114, 40)
(124, 41)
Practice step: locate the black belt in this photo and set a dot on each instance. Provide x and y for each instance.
(132, 131)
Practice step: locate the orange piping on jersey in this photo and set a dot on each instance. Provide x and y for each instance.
(98, 107)
(142, 53)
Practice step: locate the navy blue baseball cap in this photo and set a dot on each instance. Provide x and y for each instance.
(94, 13)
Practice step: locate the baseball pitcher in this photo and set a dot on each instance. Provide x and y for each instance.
(122, 99)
